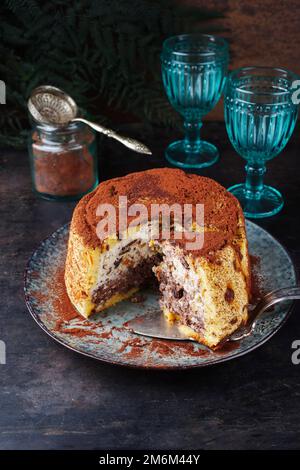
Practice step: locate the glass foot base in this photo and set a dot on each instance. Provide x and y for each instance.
(269, 203)
(177, 154)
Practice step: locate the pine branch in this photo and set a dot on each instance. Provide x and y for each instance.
(105, 54)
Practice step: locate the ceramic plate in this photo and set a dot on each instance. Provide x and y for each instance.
(105, 337)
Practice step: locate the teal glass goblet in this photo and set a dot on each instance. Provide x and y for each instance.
(194, 67)
(260, 117)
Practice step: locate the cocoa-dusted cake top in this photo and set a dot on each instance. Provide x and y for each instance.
(163, 186)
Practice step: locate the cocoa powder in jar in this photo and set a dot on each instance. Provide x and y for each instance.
(64, 166)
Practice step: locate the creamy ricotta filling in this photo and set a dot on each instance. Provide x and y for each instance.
(180, 287)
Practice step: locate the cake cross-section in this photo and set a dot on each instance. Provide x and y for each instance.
(204, 287)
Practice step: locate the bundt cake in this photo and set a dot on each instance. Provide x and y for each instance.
(205, 289)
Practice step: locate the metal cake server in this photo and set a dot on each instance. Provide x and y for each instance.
(156, 326)
(50, 105)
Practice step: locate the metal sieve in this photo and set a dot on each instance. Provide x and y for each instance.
(50, 105)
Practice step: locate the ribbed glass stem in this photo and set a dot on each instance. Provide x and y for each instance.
(192, 141)
(254, 180)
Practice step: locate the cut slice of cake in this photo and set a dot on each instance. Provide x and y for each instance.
(207, 290)
(209, 297)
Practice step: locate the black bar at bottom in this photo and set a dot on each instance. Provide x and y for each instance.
(132, 459)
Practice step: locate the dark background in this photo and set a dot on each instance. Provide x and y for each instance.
(54, 398)
(261, 32)
(105, 53)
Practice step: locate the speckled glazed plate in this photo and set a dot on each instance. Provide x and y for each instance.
(105, 337)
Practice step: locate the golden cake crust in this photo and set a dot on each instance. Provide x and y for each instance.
(164, 186)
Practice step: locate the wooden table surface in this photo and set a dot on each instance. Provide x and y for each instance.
(53, 398)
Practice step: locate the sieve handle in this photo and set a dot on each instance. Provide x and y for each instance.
(127, 141)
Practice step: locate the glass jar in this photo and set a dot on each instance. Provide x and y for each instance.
(63, 161)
